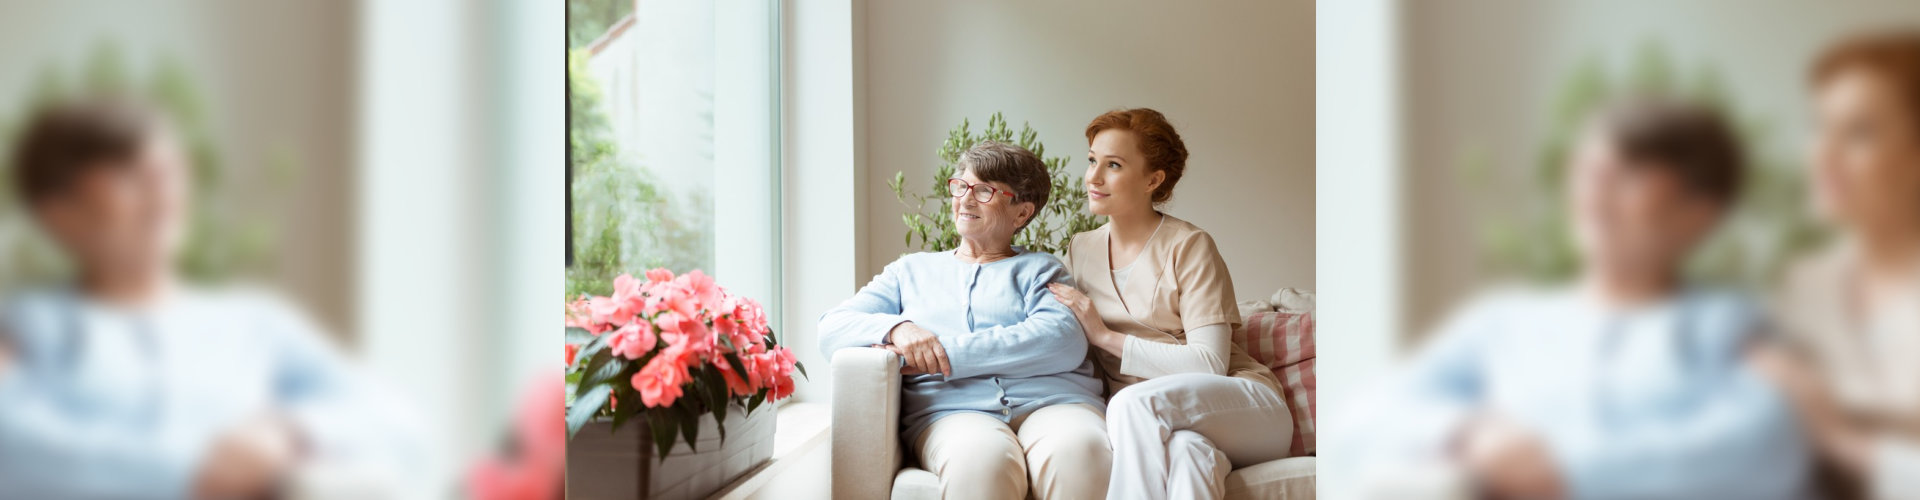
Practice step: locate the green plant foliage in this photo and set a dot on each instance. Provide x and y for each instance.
(930, 223)
(1530, 235)
(224, 239)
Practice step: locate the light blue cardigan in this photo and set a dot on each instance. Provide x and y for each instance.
(1650, 403)
(110, 403)
(1013, 347)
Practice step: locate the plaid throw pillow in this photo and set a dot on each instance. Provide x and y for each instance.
(1284, 342)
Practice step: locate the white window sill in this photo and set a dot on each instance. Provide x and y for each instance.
(798, 429)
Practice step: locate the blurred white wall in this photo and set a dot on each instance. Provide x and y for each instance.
(462, 172)
(823, 107)
(1479, 75)
(1236, 78)
(276, 79)
(1358, 207)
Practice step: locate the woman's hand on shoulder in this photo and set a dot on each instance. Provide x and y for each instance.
(1096, 329)
(1078, 304)
(1819, 413)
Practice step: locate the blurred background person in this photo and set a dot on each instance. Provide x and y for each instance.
(1850, 314)
(128, 383)
(1631, 383)
(376, 165)
(1485, 100)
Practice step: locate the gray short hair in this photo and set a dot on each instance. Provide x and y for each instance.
(1025, 172)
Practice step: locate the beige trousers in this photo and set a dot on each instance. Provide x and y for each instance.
(1178, 436)
(1060, 450)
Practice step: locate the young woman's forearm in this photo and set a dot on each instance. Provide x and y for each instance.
(1205, 351)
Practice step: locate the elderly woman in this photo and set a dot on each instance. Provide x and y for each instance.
(999, 392)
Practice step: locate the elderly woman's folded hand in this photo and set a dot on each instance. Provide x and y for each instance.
(905, 369)
(920, 348)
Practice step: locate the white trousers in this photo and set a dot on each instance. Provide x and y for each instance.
(1178, 436)
(1060, 450)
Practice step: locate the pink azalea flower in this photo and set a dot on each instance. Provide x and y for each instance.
(782, 361)
(705, 294)
(686, 331)
(740, 335)
(685, 322)
(608, 311)
(700, 339)
(741, 341)
(785, 357)
(780, 389)
(682, 301)
(577, 308)
(669, 322)
(763, 367)
(737, 383)
(628, 292)
(782, 384)
(671, 296)
(580, 315)
(660, 381)
(632, 341)
(773, 369)
(750, 314)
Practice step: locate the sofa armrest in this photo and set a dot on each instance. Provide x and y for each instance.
(866, 422)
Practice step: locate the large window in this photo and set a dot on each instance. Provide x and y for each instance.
(672, 143)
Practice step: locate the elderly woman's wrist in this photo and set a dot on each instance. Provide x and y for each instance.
(887, 338)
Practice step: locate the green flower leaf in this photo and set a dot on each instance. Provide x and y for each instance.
(585, 406)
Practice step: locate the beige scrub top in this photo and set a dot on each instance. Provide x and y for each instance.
(1866, 359)
(1178, 283)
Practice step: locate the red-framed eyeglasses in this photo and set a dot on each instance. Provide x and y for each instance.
(982, 192)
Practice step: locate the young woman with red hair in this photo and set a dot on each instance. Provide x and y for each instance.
(1157, 304)
(1847, 313)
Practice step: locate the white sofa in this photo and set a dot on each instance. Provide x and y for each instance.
(868, 462)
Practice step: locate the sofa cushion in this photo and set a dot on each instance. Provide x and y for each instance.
(1284, 342)
(1278, 339)
(1298, 381)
